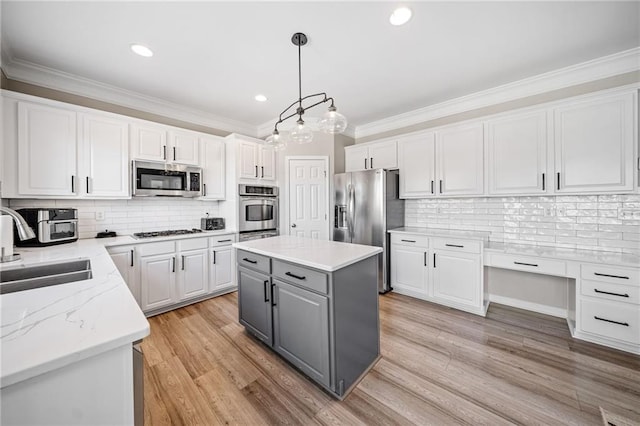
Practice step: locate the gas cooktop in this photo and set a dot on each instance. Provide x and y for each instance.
(167, 233)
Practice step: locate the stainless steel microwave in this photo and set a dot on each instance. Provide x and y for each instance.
(169, 180)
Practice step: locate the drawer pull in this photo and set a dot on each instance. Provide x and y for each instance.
(214, 257)
(408, 241)
(250, 261)
(266, 290)
(626, 324)
(612, 294)
(454, 245)
(526, 264)
(425, 258)
(622, 277)
(224, 241)
(289, 274)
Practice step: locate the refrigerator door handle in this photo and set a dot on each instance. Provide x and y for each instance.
(351, 206)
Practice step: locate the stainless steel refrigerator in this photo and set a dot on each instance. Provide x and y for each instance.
(366, 207)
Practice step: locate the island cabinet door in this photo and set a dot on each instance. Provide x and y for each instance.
(301, 329)
(254, 303)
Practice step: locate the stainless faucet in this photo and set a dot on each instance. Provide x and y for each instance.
(24, 230)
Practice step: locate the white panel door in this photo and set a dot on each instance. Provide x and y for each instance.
(416, 160)
(194, 274)
(248, 168)
(594, 144)
(103, 156)
(383, 155)
(46, 150)
(456, 278)
(222, 269)
(148, 142)
(185, 147)
(213, 162)
(409, 270)
(517, 154)
(356, 158)
(267, 169)
(308, 210)
(157, 281)
(459, 153)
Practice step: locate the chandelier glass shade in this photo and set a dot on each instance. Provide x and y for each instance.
(332, 121)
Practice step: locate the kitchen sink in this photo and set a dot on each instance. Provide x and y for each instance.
(27, 278)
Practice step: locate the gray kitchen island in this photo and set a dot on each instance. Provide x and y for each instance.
(313, 302)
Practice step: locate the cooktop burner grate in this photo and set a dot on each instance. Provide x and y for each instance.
(167, 233)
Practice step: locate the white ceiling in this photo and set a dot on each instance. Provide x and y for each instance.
(216, 56)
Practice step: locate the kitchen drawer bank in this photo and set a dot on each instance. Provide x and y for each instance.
(315, 303)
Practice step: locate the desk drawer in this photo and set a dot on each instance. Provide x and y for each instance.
(609, 291)
(610, 274)
(529, 264)
(619, 321)
(410, 240)
(254, 261)
(300, 276)
(454, 244)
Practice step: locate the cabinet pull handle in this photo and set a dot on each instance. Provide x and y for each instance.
(454, 245)
(262, 167)
(432, 187)
(434, 260)
(543, 182)
(224, 241)
(409, 241)
(214, 257)
(626, 324)
(204, 189)
(526, 264)
(173, 264)
(131, 258)
(289, 274)
(73, 184)
(250, 261)
(164, 152)
(365, 163)
(256, 170)
(558, 181)
(425, 258)
(174, 153)
(612, 294)
(441, 186)
(622, 277)
(182, 262)
(88, 185)
(273, 297)
(371, 162)
(266, 290)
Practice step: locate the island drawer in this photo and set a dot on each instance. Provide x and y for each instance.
(610, 291)
(612, 320)
(254, 261)
(222, 240)
(300, 276)
(611, 274)
(410, 240)
(529, 264)
(465, 246)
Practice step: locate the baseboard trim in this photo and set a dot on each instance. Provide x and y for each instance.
(529, 306)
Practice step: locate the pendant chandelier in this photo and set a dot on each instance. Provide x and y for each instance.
(331, 122)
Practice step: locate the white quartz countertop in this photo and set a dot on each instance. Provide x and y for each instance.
(591, 256)
(438, 232)
(48, 328)
(320, 254)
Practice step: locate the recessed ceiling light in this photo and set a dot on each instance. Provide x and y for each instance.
(142, 50)
(400, 16)
(260, 98)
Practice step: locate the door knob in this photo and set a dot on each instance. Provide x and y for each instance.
(294, 225)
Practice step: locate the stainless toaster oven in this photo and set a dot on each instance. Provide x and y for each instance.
(52, 226)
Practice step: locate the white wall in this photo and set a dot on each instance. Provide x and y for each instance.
(129, 216)
(593, 222)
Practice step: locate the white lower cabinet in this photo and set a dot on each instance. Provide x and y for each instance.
(193, 279)
(222, 269)
(124, 258)
(444, 271)
(158, 281)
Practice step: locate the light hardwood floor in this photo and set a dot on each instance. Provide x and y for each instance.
(439, 366)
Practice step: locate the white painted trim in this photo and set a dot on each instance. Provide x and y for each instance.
(529, 306)
(606, 66)
(31, 73)
(285, 199)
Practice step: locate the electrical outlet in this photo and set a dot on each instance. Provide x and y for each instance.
(561, 211)
(100, 215)
(549, 211)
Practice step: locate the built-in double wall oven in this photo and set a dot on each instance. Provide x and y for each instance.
(258, 211)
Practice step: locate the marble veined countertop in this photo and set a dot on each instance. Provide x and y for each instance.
(320, 254)
(447, 233)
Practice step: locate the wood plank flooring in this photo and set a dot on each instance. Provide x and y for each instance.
(439, 366)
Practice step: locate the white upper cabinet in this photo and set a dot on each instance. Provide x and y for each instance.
(257, 161)
(47, 163)
(212, 151)
(517, 154)
(103, 169)
(184, 147)
(459, 151)
(267, 161)
(148, 142)
(248, 160)
(416, 161)
(379, 155)
(594, 144)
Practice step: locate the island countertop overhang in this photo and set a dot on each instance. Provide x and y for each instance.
(328, 256)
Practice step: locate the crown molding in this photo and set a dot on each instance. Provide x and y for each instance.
(596, 69)
(31, 73)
